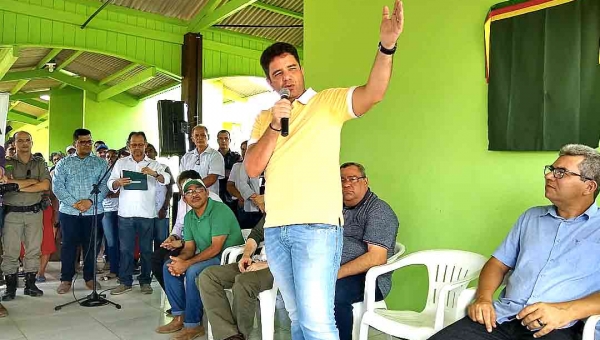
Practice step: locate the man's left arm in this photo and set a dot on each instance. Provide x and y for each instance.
(216, 170)
(103, 187)
(366, 96)
(375, 256)
(213, 250)
(558, 315)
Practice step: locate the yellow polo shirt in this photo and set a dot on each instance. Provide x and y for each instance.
(303, 174)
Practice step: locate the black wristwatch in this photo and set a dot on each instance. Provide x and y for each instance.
(387, 51)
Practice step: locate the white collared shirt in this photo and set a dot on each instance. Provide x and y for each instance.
(245, 185)
(138, 203)
(209, 162)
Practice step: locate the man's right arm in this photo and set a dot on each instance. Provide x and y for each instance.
(259, 153)
(490, 278)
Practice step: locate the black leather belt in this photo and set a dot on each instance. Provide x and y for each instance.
(28, 208)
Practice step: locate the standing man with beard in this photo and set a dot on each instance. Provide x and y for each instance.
(73, 181)
(205, 160)
(301, 216)
(137, 211)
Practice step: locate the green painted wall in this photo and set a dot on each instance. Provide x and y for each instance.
(425, 145)
(66, 114)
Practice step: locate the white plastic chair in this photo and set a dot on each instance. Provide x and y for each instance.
(467, 296)
(450, 271)
(266, 298)
(359, 307)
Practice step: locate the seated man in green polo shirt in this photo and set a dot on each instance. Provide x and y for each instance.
(209, 228)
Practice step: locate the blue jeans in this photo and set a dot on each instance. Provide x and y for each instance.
(183, 294)
(128, 228)
(349, 290)
(110, 224)
(76, 231)
(160, 231)
(304, 260)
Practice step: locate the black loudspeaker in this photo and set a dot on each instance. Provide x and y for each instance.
(172, 127)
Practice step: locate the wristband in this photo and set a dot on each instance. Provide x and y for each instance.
(274, 129)
(387, 51)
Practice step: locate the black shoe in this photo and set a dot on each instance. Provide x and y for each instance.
(168, 312)
(30, 288)
(11, 287)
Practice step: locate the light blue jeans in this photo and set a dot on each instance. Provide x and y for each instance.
(304, 260)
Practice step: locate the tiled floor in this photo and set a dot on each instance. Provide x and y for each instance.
(35, 318)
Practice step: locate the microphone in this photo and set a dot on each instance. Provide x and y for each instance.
(285, 122)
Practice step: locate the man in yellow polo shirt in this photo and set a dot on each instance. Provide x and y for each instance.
(303, 197)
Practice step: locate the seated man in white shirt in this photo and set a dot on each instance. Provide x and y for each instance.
(137, 210)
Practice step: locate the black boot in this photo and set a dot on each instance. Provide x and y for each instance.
(30, 288)
(11, 287)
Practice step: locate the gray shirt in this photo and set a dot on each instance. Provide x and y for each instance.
(371, 221)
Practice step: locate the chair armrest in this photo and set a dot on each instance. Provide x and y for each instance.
(230, 254)
(464, 300)
(590, 327)
(443, 295)
(374, 272)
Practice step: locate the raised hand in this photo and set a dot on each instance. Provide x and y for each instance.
(391, 27)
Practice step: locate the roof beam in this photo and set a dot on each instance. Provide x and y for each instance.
(36, 103)
(28, 95)
(26, 75)
(8, 56)
(221, 13)
(206, 10)
(69, 60)
(117, 74)
(278, 10)
(53, 53)
(130, 83)
(22, 117)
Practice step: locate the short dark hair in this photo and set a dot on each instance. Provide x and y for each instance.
(244, 142)
(187, 174)
(225, 131)
(99, 142)
(276, 50)
(80, 132)
(150, 146)
(360, 167)
(136, 133)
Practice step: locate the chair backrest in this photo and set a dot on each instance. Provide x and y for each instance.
(444, 267)
(399, 250)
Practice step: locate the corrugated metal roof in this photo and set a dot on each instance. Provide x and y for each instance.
(96, 66)
(32, 110)
(181, 9)
(256, 16)
(292, 5)
(29, 58)
(157, 82)
(6, 86)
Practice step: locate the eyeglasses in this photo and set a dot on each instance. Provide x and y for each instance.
(351, 179)
(559, 173)
(191, 192)
(135, 145)
(85, 142)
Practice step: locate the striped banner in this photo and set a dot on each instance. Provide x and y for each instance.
(511, 9)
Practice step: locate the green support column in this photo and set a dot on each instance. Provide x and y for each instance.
(67, 108)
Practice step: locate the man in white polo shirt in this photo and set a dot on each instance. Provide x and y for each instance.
(137, 210)
(205, 160)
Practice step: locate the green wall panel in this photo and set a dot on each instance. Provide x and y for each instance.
(67, 108)
(425, 145)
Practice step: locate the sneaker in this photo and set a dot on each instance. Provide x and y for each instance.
(121, 289)
(90, 285)
(146, 288)
(40, 279)
(189, 333)
(64, 287)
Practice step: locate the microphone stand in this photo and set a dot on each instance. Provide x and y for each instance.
(94, 299)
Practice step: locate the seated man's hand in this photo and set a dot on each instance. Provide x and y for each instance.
(171, 243)
(482, 311)
(244, 263)
(256, 266)
(177, 266)
(544, 316)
